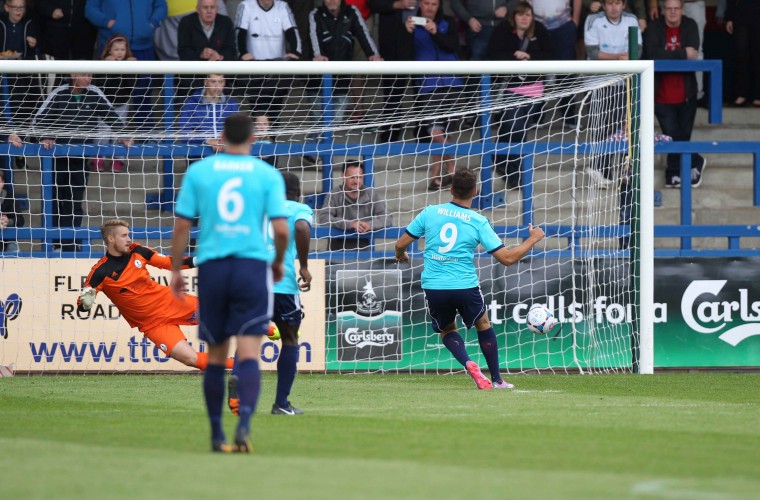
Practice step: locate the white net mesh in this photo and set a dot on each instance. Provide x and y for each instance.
(551, 149)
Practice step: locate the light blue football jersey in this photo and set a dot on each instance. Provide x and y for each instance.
(234, 196)
(296, 211)
(452, 233)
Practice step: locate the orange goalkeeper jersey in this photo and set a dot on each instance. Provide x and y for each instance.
(125, 280)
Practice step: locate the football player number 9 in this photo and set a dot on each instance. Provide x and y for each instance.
(230, 203)
(448, 235)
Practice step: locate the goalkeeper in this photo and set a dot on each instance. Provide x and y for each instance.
(123, 276)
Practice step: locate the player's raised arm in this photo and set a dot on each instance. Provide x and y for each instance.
(509, 256)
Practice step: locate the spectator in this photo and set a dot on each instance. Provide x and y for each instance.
(301, 10)
(743, 22)
(9, 214)
(606, 38)
(481, 17)
(562, 19)
(520, 38)
(165, 37)
(138, 19)
(354, 207)
(637, 8)
(262, 135)
(203, 114)
(606, 32)
(204, 35)
(333, 28)
(73, 111)
(20, 33)
(118, 91)
(675, 36)
(359, 83)
(391, 19)
(68, 33)
(267, 31)
(437, 40)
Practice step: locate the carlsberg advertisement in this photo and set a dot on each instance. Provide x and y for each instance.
(706, 314)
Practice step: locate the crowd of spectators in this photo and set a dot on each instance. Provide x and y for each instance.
(344, 30)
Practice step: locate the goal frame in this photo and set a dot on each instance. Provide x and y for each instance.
(644, 70)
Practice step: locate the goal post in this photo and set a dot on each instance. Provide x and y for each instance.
(559, 149)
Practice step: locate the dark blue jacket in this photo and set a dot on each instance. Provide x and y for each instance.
(420, 45)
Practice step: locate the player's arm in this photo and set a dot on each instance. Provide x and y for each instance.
(179, 243)
(162, 261)
(90, 289)
(281, 233)
(402, 244)
(509, 256)
(303, 237)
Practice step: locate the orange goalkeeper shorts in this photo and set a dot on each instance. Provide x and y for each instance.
(167, 335)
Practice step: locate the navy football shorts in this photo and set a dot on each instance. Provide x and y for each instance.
(287, 309)
(443, 306)
(235, 298)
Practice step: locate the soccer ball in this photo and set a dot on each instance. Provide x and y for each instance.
(274, 332)
(540, 320)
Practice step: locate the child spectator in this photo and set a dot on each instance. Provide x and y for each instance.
(117, 89)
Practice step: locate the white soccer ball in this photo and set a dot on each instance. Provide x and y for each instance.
(540, 320)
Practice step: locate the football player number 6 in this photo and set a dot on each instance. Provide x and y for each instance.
(230, 203)
(448, 235)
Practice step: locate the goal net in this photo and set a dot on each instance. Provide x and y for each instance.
(565, 146)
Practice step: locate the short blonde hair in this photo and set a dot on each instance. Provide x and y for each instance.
(108, 226)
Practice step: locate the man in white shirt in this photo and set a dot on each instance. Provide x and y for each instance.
(606, 32)
(266, 30)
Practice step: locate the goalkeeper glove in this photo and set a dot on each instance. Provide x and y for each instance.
(87, 297)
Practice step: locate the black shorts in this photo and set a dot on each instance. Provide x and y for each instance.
(443, 306)
(287, 309)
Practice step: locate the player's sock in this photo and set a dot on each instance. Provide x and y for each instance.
(249, 381)
(455, 344)
(202, 362)
(213, 390)
(230, 364)
(490, 349)
(286, 373)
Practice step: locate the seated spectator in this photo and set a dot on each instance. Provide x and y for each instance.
(437, 40)
(520, 38)
(205, 35)
(266, 31)
(73, 112)
(636, 7)
(675, 36)
(203, 114)
(137, 19)
(354, 207)
(165, 37)
(9, 215)
(68, 33)
(118, 91)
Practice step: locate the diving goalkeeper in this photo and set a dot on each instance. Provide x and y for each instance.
(123, 276)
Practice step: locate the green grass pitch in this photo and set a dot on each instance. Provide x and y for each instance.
(388, 436)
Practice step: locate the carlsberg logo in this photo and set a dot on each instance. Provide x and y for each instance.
(720, 312)
(364, 338)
